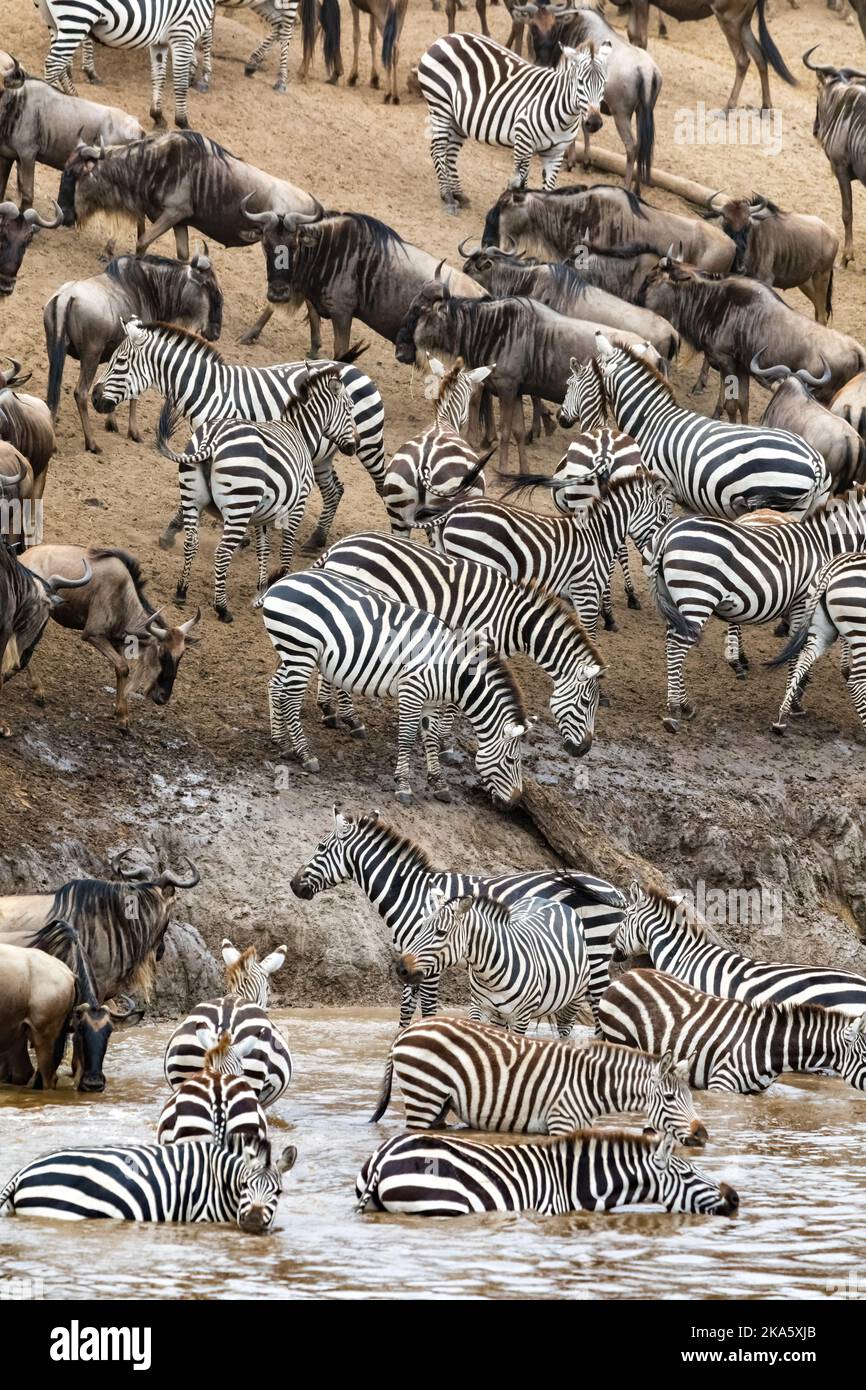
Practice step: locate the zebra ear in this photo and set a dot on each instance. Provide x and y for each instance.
(437, 899)
(275, 961)
(603, 346)
(574, 365)
(134, 330)
(463, 905)
(858, 1026)
(287, 1159)
(664, 1150)
(436, 367)
(593, 672)
(342, 823)
(666, 1063)
(634, 893)
(682, 1070)
(479, 374)
(231, 954)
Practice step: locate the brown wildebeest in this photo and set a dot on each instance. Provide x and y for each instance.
(37, 995)
(840, 128)
(25, 423)
(790, 250)
(16, 498)
(114, 615)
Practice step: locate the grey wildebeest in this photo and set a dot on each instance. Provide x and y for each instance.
(37, 995)
(553, 223)
(386, 17)
(850, 403)
(793, 407)
(840, 127)
(39, 125)
(790, 250)
(26, 601)
(18, 523)
(530, 345)
(347, 265)
(17, 229)
(114, 615)
(633, 83)
(85, 318)
(25, 423)
(730, 318)
(735, 21)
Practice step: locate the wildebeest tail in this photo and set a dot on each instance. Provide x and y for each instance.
(353, 353)
(664, 599)
(329, 18)
(309, 27)
(828, 302)
(490, 235)
(389, 36)
(646, 124)
(60, 939)
(57, 345)
(169, 419)
(385, 1093)
(769, 49)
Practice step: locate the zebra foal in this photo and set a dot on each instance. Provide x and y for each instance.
(216, 1104)
(494, 1079)
(255, 1050)
(729, 1045)
(279, 16)
(835, 608)
(592, 1170)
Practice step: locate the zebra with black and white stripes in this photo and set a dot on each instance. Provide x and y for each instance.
(495, 1079)
(703, 567)
(216, 1104)
(257, 474)
(714, 469)
(256, 1049)
(197, 1181)
(516, 617)
(657, 926)
(279, 16)
(435, 464)
(571, 555)
(398, 877)
(204, 387)
(158, 25)
(249, 978)
(730, 1045)
(835, 608)
(476, 89)
(592, 1170)
(366, 644)
(525, 962)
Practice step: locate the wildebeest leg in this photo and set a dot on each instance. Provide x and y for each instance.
(732, 28)
(481, 8)
(843, 178)
(703, 377)
(374, 71)
(286, 690)
(342, 326)
(35, 684)
(743, 383)
(100, 643)
(202, 83)
(234, 529)
(87, 370)
(315, 322)
(506, 423)
(253, 332)
(753, 49)
(356, 45)
(26, 175)
(331, 488)
(5, 171)
(817, 291)
(132, 430)
(622, 121)
(163, 224)
(158, 63)
(182, 63)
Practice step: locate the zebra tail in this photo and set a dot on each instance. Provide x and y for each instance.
(389, 36)
(329, 17)
(769, 49)
(169, 419)
(435, 510)
(797, 640)
(57, 344)
(664, 600)
(385, 1093)
(309, 26)
(646, 125)
(523, 482)
(6, 1194)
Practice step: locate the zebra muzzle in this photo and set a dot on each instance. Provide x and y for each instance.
(407, 970)
(100, 404)
(697, 1136)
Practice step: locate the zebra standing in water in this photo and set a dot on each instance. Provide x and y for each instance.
(397, 877)
(475, 88)
(753, 573)
(280, 17)
(256, 475)
(216, 1104)
(525, 962)
(435, 463)
(256, 1049)
(158, 25)
(593, 1170)
(836, 607)
(497, 1080)
(729, 1045)
(203, 387)
(655, 925)
(197, 1181)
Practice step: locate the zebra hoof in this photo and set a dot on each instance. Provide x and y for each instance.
(450, 757)
(741, 672)
(797, 712)
(202, 86)
(359, 731)
(224, 615)
(687, 710)
(258, 601)
(633, 602)
(779, 728)
(250, 69)
(672, 725)
(604, 701)
(405, 798)
(179, 598)
(281, 87)
(166, 540)
(441, 794)
(310, 764)
(610, 625)
(329, 721)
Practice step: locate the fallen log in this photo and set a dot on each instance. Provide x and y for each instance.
(610, 162)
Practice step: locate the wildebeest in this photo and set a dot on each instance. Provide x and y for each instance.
(633, 83)
(554, 223)
(621, 270)
(26, 601)
(850, 403)
(25, 423)
(18, 227)
(114, 615)
(36, 999)
(120, 926)
(790, 250)
(730, 318)
(85, 318)
(39, 125)
(347, 265)
(793, 407)
(17, 514)
(530, 345)
(735, 21)
(565, 290)
(840, 127)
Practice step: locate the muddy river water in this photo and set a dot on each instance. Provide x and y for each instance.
(795, 1155)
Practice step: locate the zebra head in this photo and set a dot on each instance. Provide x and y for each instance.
(670, 1108)
(584, 401)
(261, 1185)
(574, 702)
(452, 390)
(643, 912)
(328, 398)
(128, 373)
(497, 763)
(330, 863)
(249, 978)
(441, 939)
(684, 1188)
(586, 76)
(850, 1059)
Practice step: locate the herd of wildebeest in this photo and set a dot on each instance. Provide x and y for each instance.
(574, 297)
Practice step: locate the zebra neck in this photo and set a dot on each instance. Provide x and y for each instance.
(532, 624)
(806, 1042)
(610, 525)
(638, 407)
(452, 415)
(623, 1085)
(395, 882)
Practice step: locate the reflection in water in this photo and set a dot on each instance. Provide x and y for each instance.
(795, 1156)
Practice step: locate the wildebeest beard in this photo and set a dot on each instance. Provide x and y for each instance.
(476, 329)
(164, 290)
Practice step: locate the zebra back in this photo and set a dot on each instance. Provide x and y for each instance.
(215, 1107)
(256, 1051)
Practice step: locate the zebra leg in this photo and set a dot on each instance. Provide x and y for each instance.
(519, 1022)
(428, 995)
(286, 690)
(845, 665)
(678, 705)
(263, 555)
(551, 167)
(797, 673)
(430, 739)
(190, 549)
(287, 29)
(325, 701)
(288, 526)
(412, 699)
(202, 83)
(58, 60)
(166, 540)
(735, 655)
(857, 681)
(234, 529)
(446, 716)
(255, 60)
(567, 1017)
(331, 488)
(445, 145)
(90, 64)
(182, 62)
(408, 999)
(624, 559)
(347, 717)
(607, 611)
(158, 63)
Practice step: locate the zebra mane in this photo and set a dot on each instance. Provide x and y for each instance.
(649, 369)
(397, 841)
(500, 675)
(186, 335)
(217, 1054)
(558, 608)
(238, 969)
(689, 920)
(838, 504)
(628, 1137)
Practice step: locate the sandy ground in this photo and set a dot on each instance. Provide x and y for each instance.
(723, 800)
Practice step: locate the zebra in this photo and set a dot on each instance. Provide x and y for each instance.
(198, 1181)
(573, 556)
(249, 978)
(215, 1104)
(703, 566)
(730, 1045)
(158, 25)
(465, 595)
(475, 88)
(525, 962)
(257, 1050)
(204, 387)
(397, 876)
(435, 463)
(365, 643)
(592, 1170)
(835, 607)
(655, 925)
(497, 1080)
(256, 475)
(280, 17)
(713, 468)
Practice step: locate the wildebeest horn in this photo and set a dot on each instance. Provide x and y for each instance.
(8, 378)
(757, 203)
(132, 1008)
(7, 481)
(817, 67)
(267, 219)
(811, 380)
(525, 11)
(780, 373)
(167, 879)
(138, 873)
(462, 252)
(59, 581)
(187, 627)
(713, 196)
(31, 215)
(9, 209)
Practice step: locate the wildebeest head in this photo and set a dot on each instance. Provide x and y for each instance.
(202, 274)
(428, 307)
(160, 892)
(280, 235)
(738, 216)
(75, 181)
(17, 230)
(548, 26)
(92, 1026)
(160, 649)
(841, 95)
(804, 380)
(670, 270)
